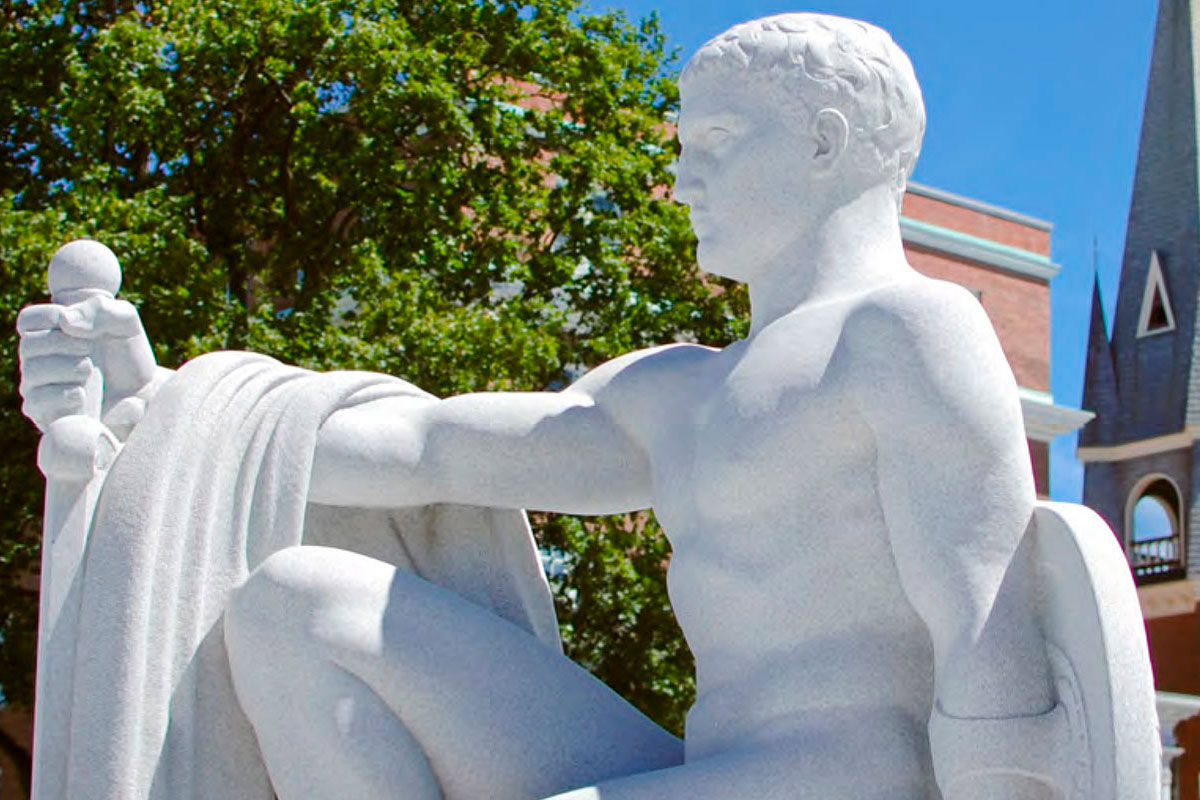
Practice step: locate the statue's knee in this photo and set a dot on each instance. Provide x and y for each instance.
(305, 603)
(270, 611)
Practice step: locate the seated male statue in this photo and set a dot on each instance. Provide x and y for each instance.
(844, 490)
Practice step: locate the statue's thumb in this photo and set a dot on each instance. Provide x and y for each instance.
(99, 317)
(80, 320)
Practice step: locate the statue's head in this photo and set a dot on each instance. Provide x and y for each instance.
(783, 119)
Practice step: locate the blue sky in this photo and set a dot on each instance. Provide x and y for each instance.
(1035, 105)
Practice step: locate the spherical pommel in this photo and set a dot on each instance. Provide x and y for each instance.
(83, 265)
(74, 449)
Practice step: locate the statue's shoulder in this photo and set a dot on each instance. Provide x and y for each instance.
(638, 370)
(636, 388)
(922, 316)
(931, 344)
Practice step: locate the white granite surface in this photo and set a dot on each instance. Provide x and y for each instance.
(877, 605)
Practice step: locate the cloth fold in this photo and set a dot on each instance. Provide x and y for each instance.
(212, 481)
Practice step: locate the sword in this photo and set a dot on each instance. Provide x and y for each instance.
(74, 454)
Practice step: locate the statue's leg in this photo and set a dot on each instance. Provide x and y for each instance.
(851, 758)
(366, 681)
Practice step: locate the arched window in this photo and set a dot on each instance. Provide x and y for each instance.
(1153, 519)
(1155, 530)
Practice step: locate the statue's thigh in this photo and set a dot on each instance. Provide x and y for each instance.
(497, 713)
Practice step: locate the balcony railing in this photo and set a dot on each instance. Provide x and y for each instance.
(1156, 559)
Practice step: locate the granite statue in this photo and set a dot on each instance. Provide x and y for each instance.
(323, 585)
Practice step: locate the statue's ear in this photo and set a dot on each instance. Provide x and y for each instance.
(831, 134)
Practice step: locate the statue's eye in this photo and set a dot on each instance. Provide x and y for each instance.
(719, 137)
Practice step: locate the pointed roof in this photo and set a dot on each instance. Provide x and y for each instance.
(1100, 382)
(1153, 373)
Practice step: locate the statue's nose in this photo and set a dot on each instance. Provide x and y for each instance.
(688, 186)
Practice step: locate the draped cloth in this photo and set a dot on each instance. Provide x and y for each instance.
(212, 481)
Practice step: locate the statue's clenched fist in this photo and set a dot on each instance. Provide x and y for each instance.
(61, 347)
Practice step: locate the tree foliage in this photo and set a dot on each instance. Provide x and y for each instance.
(465, 193)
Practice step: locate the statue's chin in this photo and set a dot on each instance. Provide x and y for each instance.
(727, 270)
(721, 272)
(715, 261)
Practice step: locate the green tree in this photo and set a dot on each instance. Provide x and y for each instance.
(465, 193)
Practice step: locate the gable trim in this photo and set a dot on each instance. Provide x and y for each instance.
(1156, 289)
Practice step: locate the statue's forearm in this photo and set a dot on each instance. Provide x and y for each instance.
(1015, 758)
(995, 717)
(1000, 643)
(553, 451)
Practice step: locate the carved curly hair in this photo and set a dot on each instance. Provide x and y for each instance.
(822, 61)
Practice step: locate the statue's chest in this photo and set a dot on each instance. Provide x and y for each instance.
(772, 424)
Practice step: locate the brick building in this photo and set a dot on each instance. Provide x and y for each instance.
(1140, 454)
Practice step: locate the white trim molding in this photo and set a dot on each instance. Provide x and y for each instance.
(979, 205)
(1156, 288)
(1025, 263)
(1143, 447)
(1045, 421)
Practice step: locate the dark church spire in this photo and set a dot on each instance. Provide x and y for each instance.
(1100, 389)
(1154, 326)
(1144, 383)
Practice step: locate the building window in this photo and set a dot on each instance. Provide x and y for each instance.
(1156, 316)
(1154, 525)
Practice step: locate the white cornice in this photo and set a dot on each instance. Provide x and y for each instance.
(979, 205)
(1142, 447)
(1044, 421)
(1025, 263)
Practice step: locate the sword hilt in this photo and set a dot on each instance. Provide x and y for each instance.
(71, 448)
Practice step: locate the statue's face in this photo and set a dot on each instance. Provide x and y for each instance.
(745, 172)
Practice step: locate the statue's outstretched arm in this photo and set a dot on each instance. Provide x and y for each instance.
(574, 451)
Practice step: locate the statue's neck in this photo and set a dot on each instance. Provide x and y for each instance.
(855, 246)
